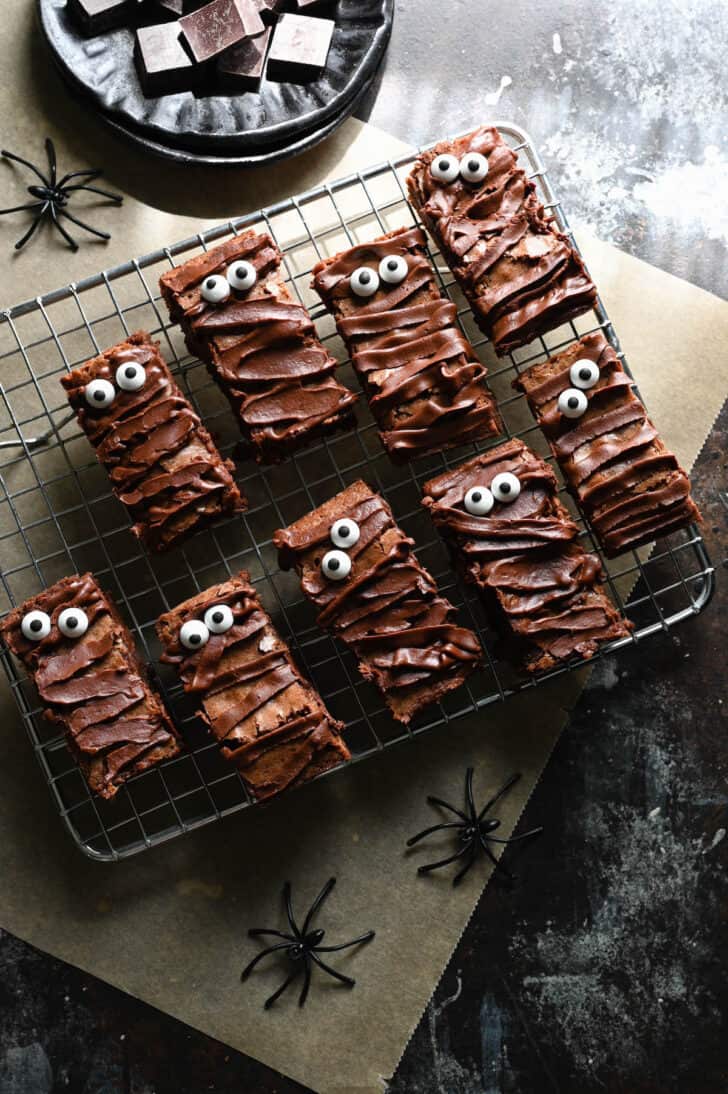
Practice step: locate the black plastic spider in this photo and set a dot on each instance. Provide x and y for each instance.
(53, 195)
(301, 947)
(473, 830)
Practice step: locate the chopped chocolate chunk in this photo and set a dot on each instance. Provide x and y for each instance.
(215, 27)
(518, 545)
(163, 64)
(299, 48)
(162, 462)
(97, 16)
(82, 660)
(268, 9)
(425, 384)
(265, 714)
(242, 65)
(376, 597)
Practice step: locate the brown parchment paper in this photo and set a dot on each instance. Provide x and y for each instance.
(170, 926)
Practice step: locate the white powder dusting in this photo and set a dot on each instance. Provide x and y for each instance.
(493, 97)
(556, 43)
(691, 193)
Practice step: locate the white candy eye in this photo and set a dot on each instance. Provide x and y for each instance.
(445, 168)
(364, 282)
(572, 402)
(584, 374)
(73, 622)
(241, 275)
(505, 487)
(35, 625)
(219, 618)
(344, 533)
(473, 167)
(215, 289)
(393, 269)
(478, 501)
(100, 393)
(336, 565)
(131, 377)
(194, 634)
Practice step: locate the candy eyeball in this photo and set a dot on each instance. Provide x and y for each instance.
(584, 374)
(194, 634)
(478, 501)
(219, 619)
(100, 394)
(131, 377)
(505, 487)
(215, 289)
(35, 625)
(445, 168)
(393, 269)
(573, 402)
(241, 275)
(364, 282)
(473, 167)
(336, 565)
(345, 533)
(72, 622)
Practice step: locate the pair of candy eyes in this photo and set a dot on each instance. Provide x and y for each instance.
(365, 280)
(72, 623)
(472, 167)
(195, 633)
(101, 393)
(240, 276)
(572, 402)
(336, 564)
(479, 500)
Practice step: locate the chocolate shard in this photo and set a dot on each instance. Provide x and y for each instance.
(212, 29)
(378, 600)
(300, 48)
(97, 16)
(425, 384)
(82, 659)
(241, 66)
(163, 64)
(266, 716)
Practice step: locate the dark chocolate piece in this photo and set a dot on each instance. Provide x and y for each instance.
(163, 64)
(299, 48)
(377, 598)
(629, 484)
(520, 275)
(518, 545)
(425, 384)
(269, 9)
(242, 65)
(81, 658)
(260, 346)
(268, 718)
(162, 462)
(97, 16)
(215, 27)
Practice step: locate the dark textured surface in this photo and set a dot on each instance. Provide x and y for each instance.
(602, 969)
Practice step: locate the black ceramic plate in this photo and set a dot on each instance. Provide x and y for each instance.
(102, 68)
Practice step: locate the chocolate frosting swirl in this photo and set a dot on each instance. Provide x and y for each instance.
(520, 275)
(93, 686)
(525, 557)
(425, 384)
(262, 349)
(629, 484)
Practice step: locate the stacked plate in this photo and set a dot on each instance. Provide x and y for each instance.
(254, 127)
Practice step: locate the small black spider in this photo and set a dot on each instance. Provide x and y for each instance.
(52, 196)
(301, 947)
(473, 830)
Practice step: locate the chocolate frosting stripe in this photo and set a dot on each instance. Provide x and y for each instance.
(523, 554)
(519, 274)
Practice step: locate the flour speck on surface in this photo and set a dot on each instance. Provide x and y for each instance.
(493, 97)
(556, 43)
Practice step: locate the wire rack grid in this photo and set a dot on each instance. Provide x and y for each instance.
(58, 515)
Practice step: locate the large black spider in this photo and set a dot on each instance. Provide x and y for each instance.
(473, 830)
(53, 194)
(302, 946)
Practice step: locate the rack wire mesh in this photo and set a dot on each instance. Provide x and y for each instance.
(58, 515)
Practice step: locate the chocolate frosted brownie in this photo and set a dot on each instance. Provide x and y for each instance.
(259, 344)
(267, 717)
(162, 462)
(81, 657)
(359, 570)
(518, 544)
(425, 384)
(520, 275)
(629, 484)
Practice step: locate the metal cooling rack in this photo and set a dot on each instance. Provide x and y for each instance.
(58, 515)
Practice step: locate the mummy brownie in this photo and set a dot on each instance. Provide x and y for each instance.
(520, 275)
(259, 345)
(425, 384)
(517, 544)
(378, 600)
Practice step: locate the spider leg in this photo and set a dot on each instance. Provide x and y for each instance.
(289, 910)
(25, 163)
(346, 945)
(38, 218)
(20, 208)
(69, 239)
(317, 904)
(306, 983)
(446, 805)
(259, 957)
(51, 154)
(348, 980)
(471, 859)
(81, 224)
(515, 839)
(503, 790)
(117, 198)
(445, 861)
(90, 173)
(469, 795)
(433, 828)
(279, 991)
(493, 859)
(259, 932)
